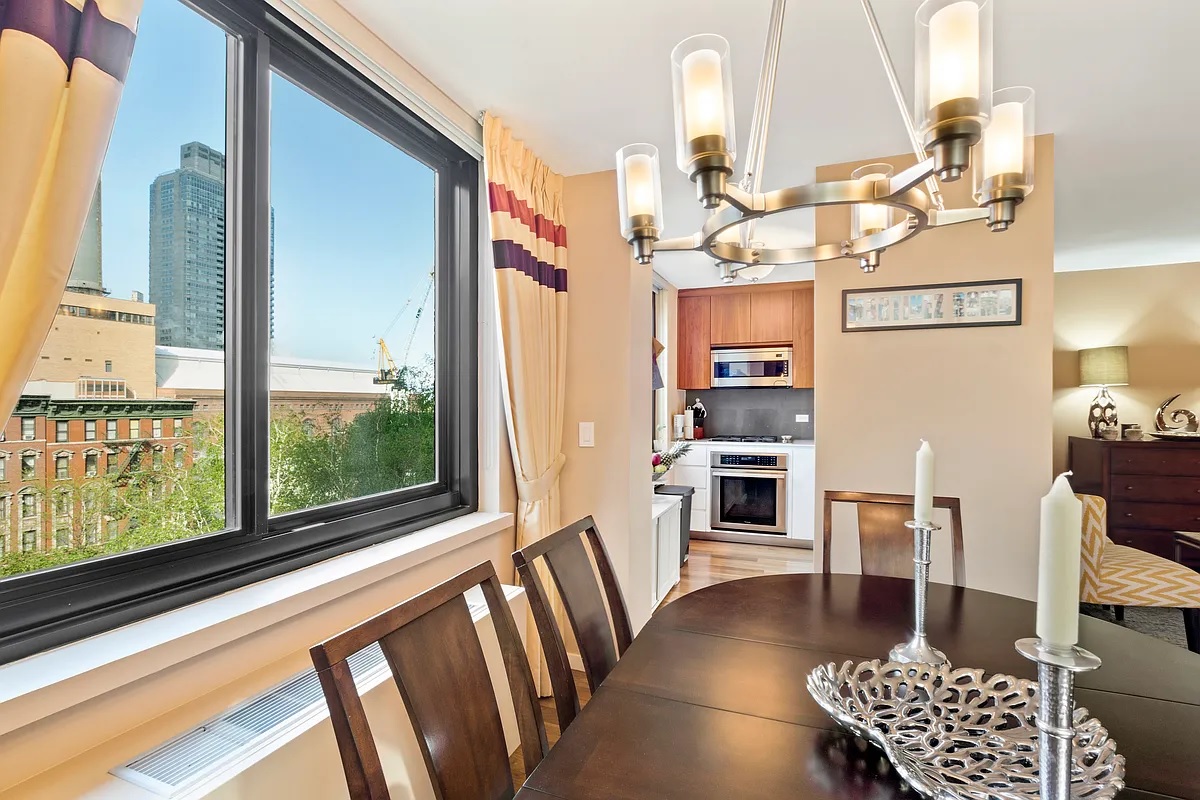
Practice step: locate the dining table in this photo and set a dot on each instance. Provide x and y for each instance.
(710, 700)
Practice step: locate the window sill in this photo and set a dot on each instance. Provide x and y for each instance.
(44, 684)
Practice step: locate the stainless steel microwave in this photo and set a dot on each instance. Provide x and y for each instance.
(768, 366)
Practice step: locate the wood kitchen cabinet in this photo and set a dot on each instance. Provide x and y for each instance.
(730, 318)
(694, 342)
(744, 316)
(771, 317)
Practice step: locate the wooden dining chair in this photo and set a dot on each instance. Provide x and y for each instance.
(601, 640)
(437, 661)
(885, 546)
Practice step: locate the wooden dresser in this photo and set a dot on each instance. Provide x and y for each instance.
(1152, 488)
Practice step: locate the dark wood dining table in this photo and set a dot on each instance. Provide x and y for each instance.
(710, 699)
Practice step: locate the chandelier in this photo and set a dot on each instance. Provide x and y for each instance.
(956, 115)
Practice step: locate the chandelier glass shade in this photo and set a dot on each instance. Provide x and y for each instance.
(955, 115)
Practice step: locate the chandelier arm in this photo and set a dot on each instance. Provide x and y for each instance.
(941, 217)
(931, 184)
(742, 200)
(681, 243)
(907, 179)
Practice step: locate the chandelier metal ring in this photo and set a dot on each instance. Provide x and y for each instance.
(743, 208)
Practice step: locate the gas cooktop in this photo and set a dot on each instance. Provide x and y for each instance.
(743, 439)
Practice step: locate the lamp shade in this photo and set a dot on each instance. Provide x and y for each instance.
(1104, 366)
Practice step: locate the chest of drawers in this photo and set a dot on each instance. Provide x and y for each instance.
(1152, 488)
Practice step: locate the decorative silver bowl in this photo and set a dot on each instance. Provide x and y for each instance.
(953, 734)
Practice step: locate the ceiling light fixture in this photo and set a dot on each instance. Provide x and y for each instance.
(956, 110)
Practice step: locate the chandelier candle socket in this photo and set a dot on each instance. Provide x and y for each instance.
(953, 80)
(1006, 175)
(704, 132)
(870, 218)
(1058, 566)
(639, 196)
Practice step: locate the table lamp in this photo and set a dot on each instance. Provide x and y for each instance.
(1103, 367)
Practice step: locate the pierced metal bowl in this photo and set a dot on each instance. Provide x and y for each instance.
(953, 734)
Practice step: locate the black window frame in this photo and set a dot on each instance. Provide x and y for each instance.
(55, 606)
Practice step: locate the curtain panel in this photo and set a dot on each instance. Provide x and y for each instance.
(62, 67)
(529, 246)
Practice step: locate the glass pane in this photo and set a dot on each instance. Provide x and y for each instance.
(748, 501)
(148, 280)
(352, 351)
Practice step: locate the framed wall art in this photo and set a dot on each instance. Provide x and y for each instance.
(973, 304)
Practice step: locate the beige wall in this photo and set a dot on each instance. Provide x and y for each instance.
(79, 346)
(981, 396)
(128, 721)
(1151, 310)
(608, 382)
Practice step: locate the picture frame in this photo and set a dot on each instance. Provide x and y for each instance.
(969, 304)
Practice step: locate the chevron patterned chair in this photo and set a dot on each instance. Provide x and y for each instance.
(1116, 575)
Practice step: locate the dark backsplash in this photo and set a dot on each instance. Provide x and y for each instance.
(755, 412)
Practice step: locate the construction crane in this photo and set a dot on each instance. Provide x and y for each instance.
(387, 372)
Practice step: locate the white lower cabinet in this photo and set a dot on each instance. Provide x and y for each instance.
(664, 556)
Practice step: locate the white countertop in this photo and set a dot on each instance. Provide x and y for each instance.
(754, 445)
(663, 503)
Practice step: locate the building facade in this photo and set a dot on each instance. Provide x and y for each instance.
(56, 455)
(187, 250)
(100, 343)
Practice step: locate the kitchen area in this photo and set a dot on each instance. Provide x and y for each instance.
(743, 400)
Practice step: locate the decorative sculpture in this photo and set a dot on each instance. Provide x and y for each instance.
(1186, 420)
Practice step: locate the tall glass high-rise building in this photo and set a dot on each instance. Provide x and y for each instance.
(187, 250)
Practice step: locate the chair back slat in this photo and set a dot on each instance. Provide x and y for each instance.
(439, 667)
(602, 630)
(431, 644)
(885, 543)
(576, 583)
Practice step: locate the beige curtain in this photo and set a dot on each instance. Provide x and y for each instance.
(62, 67)
(529, 244)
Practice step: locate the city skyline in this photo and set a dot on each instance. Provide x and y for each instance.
(354, 233)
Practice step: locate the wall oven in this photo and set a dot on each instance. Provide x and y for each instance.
(771, 366)
(749, 492)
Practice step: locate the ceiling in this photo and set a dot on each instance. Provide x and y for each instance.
(577, 80)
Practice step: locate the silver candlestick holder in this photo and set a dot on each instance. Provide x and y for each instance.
(1056, 710)
(918, 648)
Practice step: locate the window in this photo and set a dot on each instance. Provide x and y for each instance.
(28, 428)
(62, 467)
(28, 467)
(3, 466)
(110, 429)
(29, 540)
(28, 506)
(91, 464)
(89, 430)
(240, 501)
(60, 431)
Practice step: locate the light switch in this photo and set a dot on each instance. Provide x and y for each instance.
(587, 434)
(802, 418)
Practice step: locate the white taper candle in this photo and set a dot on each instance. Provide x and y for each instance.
(923, 494)
(1058, 565)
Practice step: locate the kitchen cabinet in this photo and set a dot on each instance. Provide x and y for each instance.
(771, 317)
(744, 316)
(802, 337)
(695, 343)
(664, 544)
(730, 318)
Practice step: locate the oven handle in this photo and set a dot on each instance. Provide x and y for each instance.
(749, 473)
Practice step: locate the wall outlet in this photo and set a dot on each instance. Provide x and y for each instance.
(587, 434)
(802, 418)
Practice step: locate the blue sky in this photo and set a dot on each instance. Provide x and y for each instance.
(354, 216)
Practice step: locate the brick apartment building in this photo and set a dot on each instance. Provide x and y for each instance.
(54, 450)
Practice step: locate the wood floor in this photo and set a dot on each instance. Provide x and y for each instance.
(708, 563)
